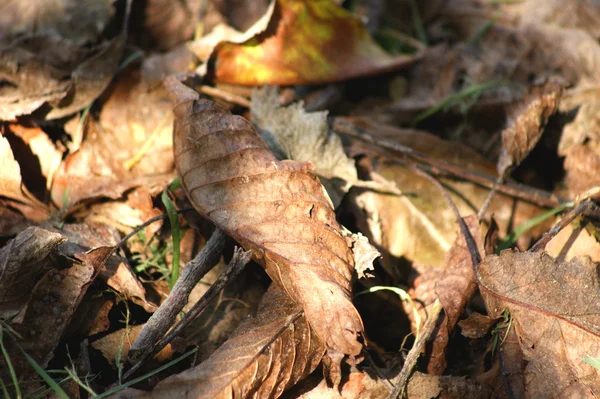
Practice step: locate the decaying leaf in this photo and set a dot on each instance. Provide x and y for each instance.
(266, 355)
(525, 131)
(293, 133)
(455, 288)
(119, 342)
(83, 21)
(419, 225)
(297, 48)
(22, 262)
(50, 309)
(278, 209)
(555, 308)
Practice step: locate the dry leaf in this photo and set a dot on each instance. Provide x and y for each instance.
(278, 209)
(455, 288)
(119, 342)
(293, 133)
(50, 309)
(22, 262)
(525, 131)
(296, 48)
(419, 225)
(81, 20)
(555, 308)
(266, 355)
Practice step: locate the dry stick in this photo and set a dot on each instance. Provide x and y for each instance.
(412, 357)
(436, 312)
(164, 317)
(583, 206)
(225, 95)
(236, 266)
(521, 191)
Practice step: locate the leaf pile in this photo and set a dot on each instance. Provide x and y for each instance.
(416, 184)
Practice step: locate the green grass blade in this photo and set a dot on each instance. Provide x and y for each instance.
(453, 99)
(135, 381)
(592, 361)
(11, 370)
(53, 384)
(175, 232)
(512, 238)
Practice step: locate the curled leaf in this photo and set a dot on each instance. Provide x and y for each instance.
(277, 209)
(305, 42)
(267, 354)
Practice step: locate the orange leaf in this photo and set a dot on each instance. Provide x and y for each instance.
(305, 42)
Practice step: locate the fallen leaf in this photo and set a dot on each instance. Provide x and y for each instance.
(419, 225)
(167, 24)
(582, 167)
(476, 325)
(278, 209)
(117, 272)
(455, 289)
(293, 133)
(266, 355)
(555, 311)
(118, 344)
(525, 131)
(576, 239)
(295, 48)
(83, 21)
(22, 262)
(53, 302)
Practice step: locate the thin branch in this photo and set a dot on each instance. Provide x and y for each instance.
(583, 206)
(164, 317)
(236, 266)
(434, 166)
(412, 357)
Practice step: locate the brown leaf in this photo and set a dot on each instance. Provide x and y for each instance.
(291, 53)
(119, 342)
(50, 309)
(455, 288)
(419, 225)
(81, 20)
(267, 354)
(476, 325)
(555, 308)
(13, 189)
(54, 70)
(279, 210)
(22, 261)
(519, 139)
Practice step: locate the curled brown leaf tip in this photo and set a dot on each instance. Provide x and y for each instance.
(277, 209)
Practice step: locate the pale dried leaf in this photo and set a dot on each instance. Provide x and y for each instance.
(293, 133)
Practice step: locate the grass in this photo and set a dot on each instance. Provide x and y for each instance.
(506, 325)
(512, 238)
(176, 232)
(471, 93)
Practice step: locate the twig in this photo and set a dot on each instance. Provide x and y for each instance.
(162, 319)
(412, 357)
(436, 311)
(224, 95)
(470, 241)
(235, 267)
(432, 165)
(583, 206)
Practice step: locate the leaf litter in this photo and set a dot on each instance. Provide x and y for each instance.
(104, 103)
